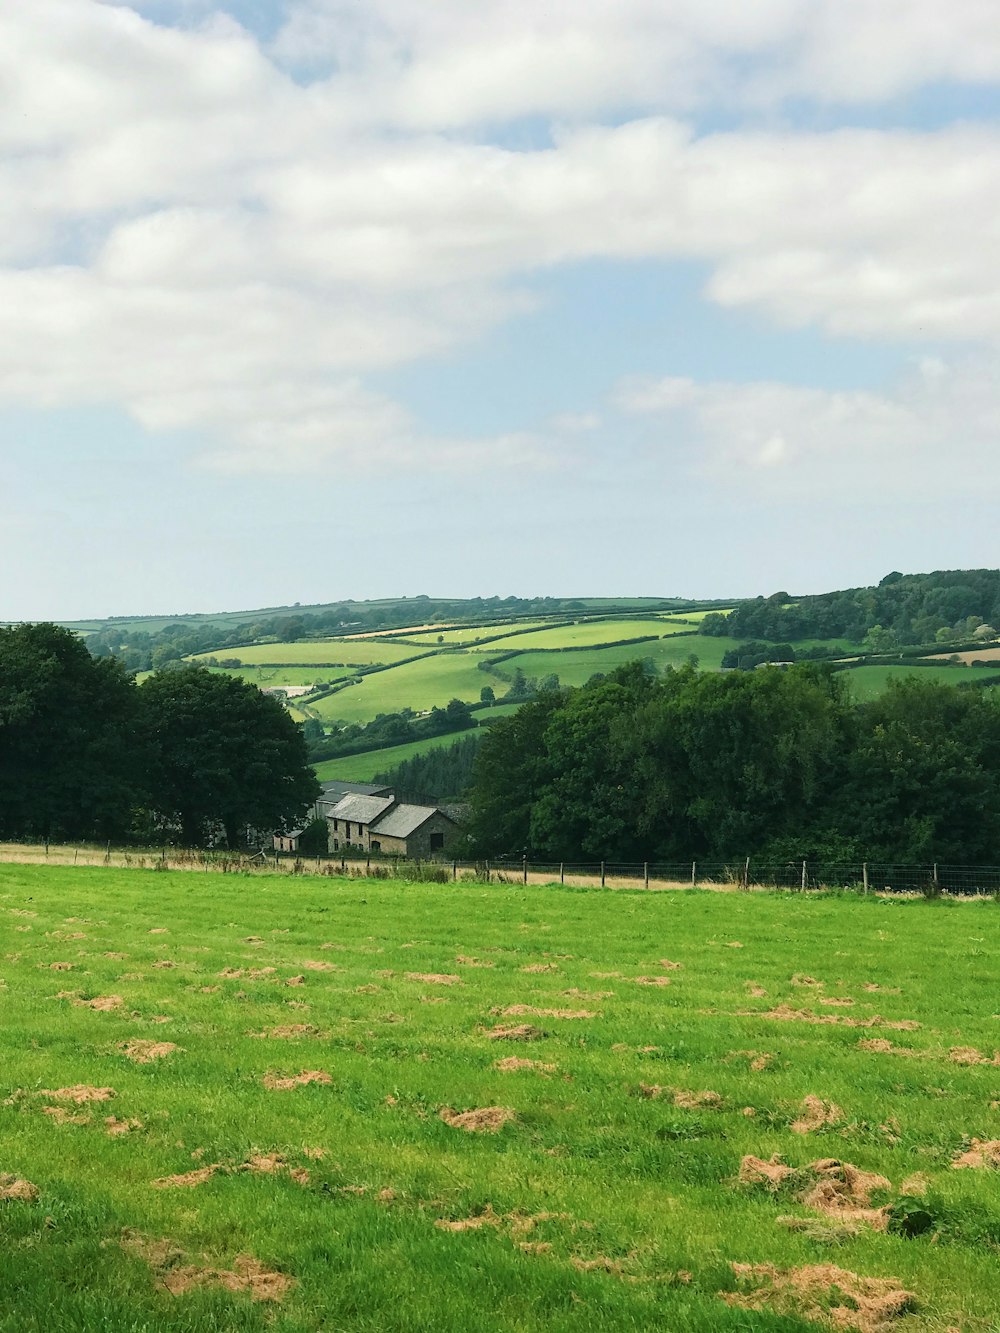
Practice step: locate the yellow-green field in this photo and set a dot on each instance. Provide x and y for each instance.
(363, 767)
(419, 685)
(590, 632)
(869, 682)
(323, 652)
(279, 1103)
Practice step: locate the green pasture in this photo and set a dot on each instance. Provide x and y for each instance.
(419, 685)
(617, 1057)
(587, 632)
(363, 767)
(472, 634)
(577, 666)
(270, 676)
(321, 652)
(869, 682)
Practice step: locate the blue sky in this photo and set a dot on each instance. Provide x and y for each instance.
(309, 300)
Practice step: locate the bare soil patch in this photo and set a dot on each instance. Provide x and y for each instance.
(823, 1293)
(481, 1120)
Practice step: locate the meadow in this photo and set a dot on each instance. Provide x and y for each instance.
(271, 1102)
(363, 767)
(318, 652)
(419, 685)
(869, 682)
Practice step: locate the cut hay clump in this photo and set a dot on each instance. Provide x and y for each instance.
(822, 1293)
(481, 1120)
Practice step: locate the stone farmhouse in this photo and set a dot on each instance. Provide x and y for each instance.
(383, 825)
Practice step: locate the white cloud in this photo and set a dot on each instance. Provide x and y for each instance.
(189, 233)
(932, 436)
(452, 63)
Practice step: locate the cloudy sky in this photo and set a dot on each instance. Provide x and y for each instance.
(307, 299)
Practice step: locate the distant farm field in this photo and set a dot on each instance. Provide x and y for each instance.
(350, 652)
(363, 767)
(419, 685)
(869, 682)
(590, 632)
(277, 1103)
(269, 677)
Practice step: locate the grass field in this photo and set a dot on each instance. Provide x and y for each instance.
(284, 675)
(419, 685)
(591, 632)
(363, 767)
(274, 1103)
(471, 634)
(869, 682)
(351, 652)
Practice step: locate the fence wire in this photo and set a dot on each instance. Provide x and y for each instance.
(746, 873)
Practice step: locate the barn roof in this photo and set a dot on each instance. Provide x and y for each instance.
(403, 820)
(360, 809)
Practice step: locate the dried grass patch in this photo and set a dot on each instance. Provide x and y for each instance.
(314, 965)
(188, 1180)
(652, 981)
(275, 1083)
(786, 1014)
(539, 968)
(814, 1114)
(515, 1032)
(823, 1293)
(968, 1055)
(289, 1032)
(670, 966)
(144, 1051)
(981, 1153)
(435, 978)
(513, 1064)
(487, 1218)
(480, 1120)
(115, 1127)
(834, 1188)
(79, 1093)
(246, 1275)
(101, 1004)
(465, 960)
(519, 1010)
(63, 1117)
(16, 1188)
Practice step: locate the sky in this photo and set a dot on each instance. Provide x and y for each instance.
(303, 300)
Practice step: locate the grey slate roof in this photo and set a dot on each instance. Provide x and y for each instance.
(403, 820)
(360, 809)
(335, 789)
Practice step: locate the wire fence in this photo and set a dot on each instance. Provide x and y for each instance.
(746, 874)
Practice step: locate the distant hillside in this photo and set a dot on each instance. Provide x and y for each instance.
(947, 606)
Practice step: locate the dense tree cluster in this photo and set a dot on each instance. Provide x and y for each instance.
(87, 753)
(443, 774)
(904, 609)
(385, 730)
(773, 763)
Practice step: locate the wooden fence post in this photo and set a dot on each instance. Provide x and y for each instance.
(602, 874)
(645, 874)
(562, 872)
(864, 875)
(524, 870)
(694, 867)
(804, 877)
(746, 876)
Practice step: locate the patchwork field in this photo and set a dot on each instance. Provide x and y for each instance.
(869, 682)
(363, 767)
(322, 652)
(264, 1102)
(419, 685)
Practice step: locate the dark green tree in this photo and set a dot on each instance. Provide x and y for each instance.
(70, 763)
(223, 756)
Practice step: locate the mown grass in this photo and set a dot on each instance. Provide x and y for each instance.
(605, 1209)
(589, 632)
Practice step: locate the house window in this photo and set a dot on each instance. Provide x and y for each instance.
(336, 845)
(376, 846)
(336, 825)
(437, 842)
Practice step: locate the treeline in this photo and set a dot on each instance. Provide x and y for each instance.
(773, 764)
(385, 730)
(145, 650)
(443, 774)
(904, 609)
(187, 756)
